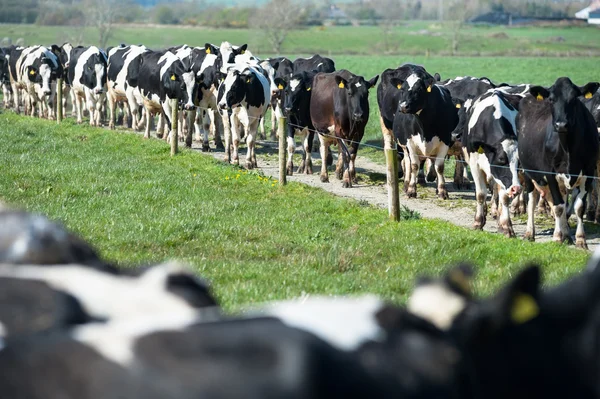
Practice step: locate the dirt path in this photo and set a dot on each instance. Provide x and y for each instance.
(459, 209)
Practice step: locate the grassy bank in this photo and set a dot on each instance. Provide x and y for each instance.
(254, 240)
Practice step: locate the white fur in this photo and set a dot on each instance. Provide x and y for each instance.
(412, 80)
(511, 149)
(106, 295)
(436, 303)
(594, 260)
(500, 110)
(168, 58)
(346, 323)
(358, 84)
(294, 84)
(190, 80)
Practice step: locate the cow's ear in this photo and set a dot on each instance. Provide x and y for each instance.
(589, 89)
(437, 77)
(250, 78)
(275, 65)
(372, 82)
(539, 92)
(280, 83)
(55, 49)
(397, 82)
(341, 82)
(208, 48)
(31, 71)
(243, 48)
(517, 303)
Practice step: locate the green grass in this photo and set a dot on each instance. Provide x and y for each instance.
(413, 38)
(254, 240)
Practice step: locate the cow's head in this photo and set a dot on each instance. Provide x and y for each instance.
(94, 72)
(414, 91)
(563, 97)
(293, 93)
(356, 90)
(462, 109)
(41, 73)
(235, 87)
(179, 83)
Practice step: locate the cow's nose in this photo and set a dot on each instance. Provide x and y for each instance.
(357, 117)
(514, 190)
(403, 107)
(189, 107)
(98, 91)
(222, 105)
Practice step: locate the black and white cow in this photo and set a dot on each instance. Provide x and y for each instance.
(592, 103)
(230, 55)
(119, 91)
(490, 141)
(339, 110)
(558, 150)
(295, 94)
(245, 95)
(282, 69)
(209, 81)
(5, 77)
(424, 124)
(314, 63)
(87, 74)
(35, 70)
(160, 76)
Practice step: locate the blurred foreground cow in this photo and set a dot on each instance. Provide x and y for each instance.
(339, 110)
(558, 149)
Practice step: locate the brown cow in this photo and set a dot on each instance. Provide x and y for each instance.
(339, 109)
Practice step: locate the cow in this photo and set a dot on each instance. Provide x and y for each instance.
(315, 63)
(5, 77)
(160, 76)
(33, 72)
(230, 55)
(282, 69)
(296, 94)
(424, 125)
(209, 81)
(339, 111)
(168, 288)
(64, 57)
(182, 356)
(87, 75)
(490, 141)
(592, 103)
(119, 91)
(245, 95)
(558, 150)
(27, 238)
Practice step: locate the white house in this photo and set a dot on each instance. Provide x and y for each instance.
(591, 13)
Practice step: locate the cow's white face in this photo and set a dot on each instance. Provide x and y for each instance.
(45, 73)
(100, 70)
(189, 80)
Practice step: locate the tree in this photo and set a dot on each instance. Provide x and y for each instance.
(390, 12)
(276, 18)
(102, 14)
(460, 11)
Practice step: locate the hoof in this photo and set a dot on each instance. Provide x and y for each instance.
(529, 237)
(219, 146)
(290, 170)
(308, 168)
(421, 181)
(411, 192)
(324, 179)
(508, 232)
(249, 165)
(347, 184)
(339, 174)
(443, 194)
(478, 225)
(580, 243)
(206, 148)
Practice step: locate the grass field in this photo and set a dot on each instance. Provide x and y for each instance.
(254, 240)
(413, 38)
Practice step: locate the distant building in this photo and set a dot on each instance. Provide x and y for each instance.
(591, 13)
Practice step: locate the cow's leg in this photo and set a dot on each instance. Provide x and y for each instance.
(532, 199)
(580, 206)
(493, 186)
(406, 168)
(308, 143)
(251, 127)
(261, 123)
(227, 134)
(235, 138)
(596, 196)
(190, 121)
(439, 169)
(291, 148)
(561, 228)
(413, 164)
(274, 112)
(111, 109)
(481, 188)
(324, 153)
(16, 98)
(425, 165)
(148, 120)
(79, 107)
(504, 223)
(344, 155)
(339, 165)
(219, 131)
(352, 161)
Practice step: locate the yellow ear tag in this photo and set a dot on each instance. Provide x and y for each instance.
(280, 87)
(524, 309)
(341, 85)
(399, 87)
(32, 72)
(208, 50)
(458, 106)
(429, 89)
(172, 77)
(588, 95)
(308, 89)
(248, 80)
(480, 150)
(540, 98)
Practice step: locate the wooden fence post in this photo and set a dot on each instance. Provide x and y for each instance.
(174, 120)
(281, 130)
(391, 160)
(59, 97)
